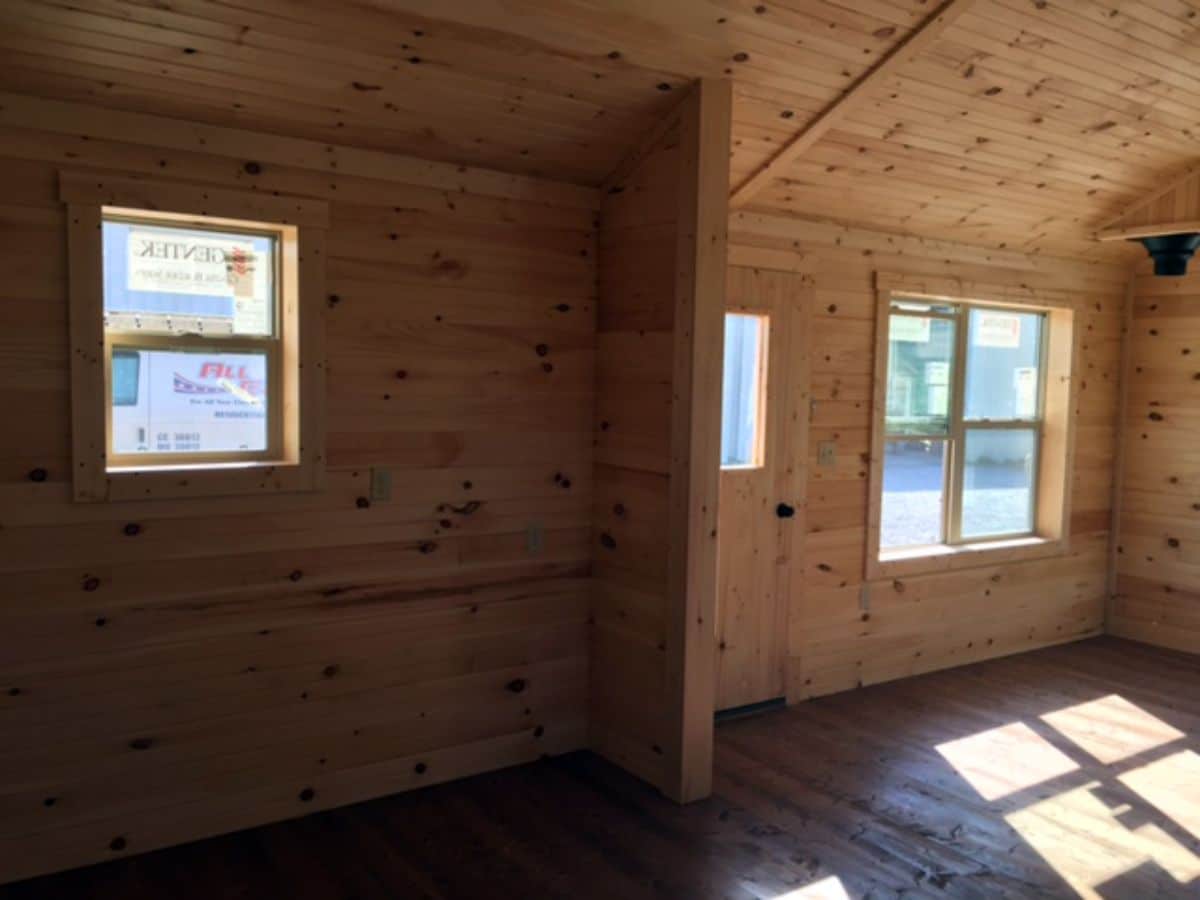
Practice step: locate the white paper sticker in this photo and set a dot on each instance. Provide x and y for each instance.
(993, 329)
(1025, 383)
(912, 329)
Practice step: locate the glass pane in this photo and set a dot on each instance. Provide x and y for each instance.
(167, 401)
(913, 486)
(164, 279)
(1003, 357)
(742, 391)
(998, 479)
(920, 360)
(125, 366)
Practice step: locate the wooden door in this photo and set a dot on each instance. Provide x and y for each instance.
(762, 516)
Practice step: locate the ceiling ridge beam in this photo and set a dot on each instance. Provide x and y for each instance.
(915, 43)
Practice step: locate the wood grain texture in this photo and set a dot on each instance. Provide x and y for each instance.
(758, 550)
(857, 94)
(175, 669)
(1171, 210)
(1157, 591)
(1025, 125)
(846, 796)
(845, 631)
(661, 326)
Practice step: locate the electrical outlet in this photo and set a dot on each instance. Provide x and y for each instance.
(534, 538)
(381, 484)
(827, 453)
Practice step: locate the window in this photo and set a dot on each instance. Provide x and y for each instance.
(193, 342)
(742, 412)
(196, 339)
(962, 423)
(972, 440)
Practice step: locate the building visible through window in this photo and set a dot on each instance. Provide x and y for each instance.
(962, 423)
(192, 342)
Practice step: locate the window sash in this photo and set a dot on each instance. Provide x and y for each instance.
(271, 347)
(193, 223)
(269, 344)
(759, 388)
(958, 450)
(955, 439)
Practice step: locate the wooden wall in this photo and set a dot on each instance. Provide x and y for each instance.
(1157, 597)
(661, 326)
(845, 632)
(231, 661)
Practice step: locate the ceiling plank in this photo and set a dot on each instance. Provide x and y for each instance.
(857, 94)
(649, 142)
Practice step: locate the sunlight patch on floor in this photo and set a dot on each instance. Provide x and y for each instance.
(1171, 785)
(1001, 761)
(1084, 840)
(1111, 728)
(830, 888)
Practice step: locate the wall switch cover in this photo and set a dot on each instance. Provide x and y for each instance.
(534, 538)
(381, 484)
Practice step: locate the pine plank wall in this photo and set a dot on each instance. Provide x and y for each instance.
(231, 661)
(633, 459)
(845, 631)
(175, 669)
(1157, 595)
(662, 265)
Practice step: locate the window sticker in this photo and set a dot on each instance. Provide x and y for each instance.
(912, 329)
(1025, 382)
(994, 329)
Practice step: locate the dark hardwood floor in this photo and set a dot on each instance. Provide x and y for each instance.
(1073, 771)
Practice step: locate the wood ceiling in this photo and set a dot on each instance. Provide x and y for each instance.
(1025, 125)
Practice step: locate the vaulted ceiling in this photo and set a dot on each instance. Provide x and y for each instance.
(1026, 124)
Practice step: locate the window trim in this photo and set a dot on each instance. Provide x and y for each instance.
(297, 459)
(762, 384)
(1057, 388)
(269, 345)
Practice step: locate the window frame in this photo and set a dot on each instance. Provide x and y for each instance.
(294, 459)
(270, 345)
(1053, 427)
(758, 450)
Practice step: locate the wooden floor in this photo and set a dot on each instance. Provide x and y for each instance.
(1067, 772)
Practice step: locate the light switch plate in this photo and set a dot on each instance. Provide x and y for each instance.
(381, 484)
(534, 538)
(826, 453)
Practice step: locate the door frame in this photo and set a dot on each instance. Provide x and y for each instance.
(785, 298)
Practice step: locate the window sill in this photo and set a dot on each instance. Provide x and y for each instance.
(947, 558)
(213, 480)
(184, 468)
